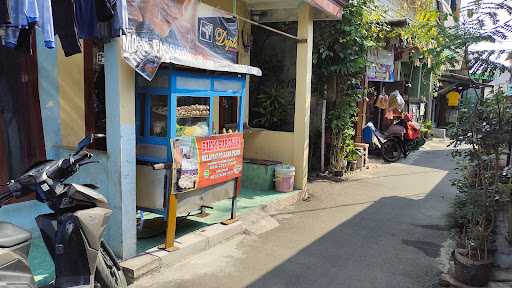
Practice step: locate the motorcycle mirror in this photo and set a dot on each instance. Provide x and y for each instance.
(84, 143)
(87, 141)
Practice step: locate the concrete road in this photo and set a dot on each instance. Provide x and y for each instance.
(385, 227)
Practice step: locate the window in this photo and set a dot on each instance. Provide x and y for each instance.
(159, 111)
(94, 90)
(193, 116)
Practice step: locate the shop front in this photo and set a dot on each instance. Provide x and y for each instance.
(171, 85)
(388, 96)
(178, 115)
(174, 84)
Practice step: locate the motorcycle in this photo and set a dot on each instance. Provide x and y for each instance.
(72, 234)
(400, 138)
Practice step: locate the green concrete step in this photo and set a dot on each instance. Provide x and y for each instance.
(259, 175)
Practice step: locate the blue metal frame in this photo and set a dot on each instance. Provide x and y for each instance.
(174, 92)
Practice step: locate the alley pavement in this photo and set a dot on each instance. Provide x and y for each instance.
(384, 227)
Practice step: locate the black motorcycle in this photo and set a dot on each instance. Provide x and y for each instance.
(72, 234)
(393, 144)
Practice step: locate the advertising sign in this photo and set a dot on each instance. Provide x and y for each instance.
(200, 162)
(509, 90)
(184, 32)
(380, 65)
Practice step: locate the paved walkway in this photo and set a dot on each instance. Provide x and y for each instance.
(384, 228)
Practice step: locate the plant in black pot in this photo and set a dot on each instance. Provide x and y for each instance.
(472, 258)
(474, 217)
(482, 132)
(352, 155)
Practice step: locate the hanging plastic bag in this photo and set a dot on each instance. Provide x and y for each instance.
(396, 100)
(382, 101)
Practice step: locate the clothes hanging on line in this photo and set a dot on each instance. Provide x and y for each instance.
(24, 42)
(45, 22)
(71, 20)
(5, 14)
(65, 26)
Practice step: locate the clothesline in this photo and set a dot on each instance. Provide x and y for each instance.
(70, 20)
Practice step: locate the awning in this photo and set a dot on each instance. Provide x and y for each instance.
(452, 80)
(332, 7)
(186, 33)
(268, 11)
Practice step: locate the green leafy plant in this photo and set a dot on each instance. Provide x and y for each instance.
(352, 154)
(340, 57)
(341, 122)
(274, 107)
(427, 125)
(441, 44)
(485, 126)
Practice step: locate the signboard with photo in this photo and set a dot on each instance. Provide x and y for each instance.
(184, 32)
(201, 162)
(380, 65)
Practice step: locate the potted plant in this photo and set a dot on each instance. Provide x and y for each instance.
(341, 122)
(337, 162)
(472, 258)
(484, 126)
(352, 155)
(426, 129)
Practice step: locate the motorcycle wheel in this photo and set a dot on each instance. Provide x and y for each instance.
(108, 273)
(391, 151)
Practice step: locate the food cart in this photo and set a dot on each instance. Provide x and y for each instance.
(179, 104)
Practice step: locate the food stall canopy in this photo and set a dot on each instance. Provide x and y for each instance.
(188, 33)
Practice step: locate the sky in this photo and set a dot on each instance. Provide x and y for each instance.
(503, 45)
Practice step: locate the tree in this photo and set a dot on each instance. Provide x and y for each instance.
(440, 44)
(340, 56)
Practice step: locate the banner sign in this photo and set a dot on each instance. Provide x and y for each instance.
(219, 35)
(381, 66)
(201, 162)
(184, 32)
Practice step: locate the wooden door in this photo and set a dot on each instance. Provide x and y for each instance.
(21, 132)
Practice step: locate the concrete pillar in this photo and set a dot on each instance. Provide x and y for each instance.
(120, 106)
(303, 95)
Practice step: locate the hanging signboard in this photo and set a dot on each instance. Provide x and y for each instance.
(380, 65)
(184, 32)
(201, 162)
(509, 90)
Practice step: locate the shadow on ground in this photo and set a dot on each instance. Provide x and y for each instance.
(394, 242)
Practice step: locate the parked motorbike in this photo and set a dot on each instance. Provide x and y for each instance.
(72, 234)
(397, 140)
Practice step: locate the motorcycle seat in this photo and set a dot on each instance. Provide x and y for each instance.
(12, 235)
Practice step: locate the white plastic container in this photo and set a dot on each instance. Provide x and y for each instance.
(284, 178)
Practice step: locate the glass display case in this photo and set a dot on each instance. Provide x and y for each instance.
(177, 103)
(192, 116)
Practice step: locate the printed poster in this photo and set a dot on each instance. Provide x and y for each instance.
(381, 65)
(184, 32)
(201, 162)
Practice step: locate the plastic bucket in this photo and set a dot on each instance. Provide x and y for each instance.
(284, 178)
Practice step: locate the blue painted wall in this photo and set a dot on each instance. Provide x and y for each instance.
(23, 214)
(49, 95)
